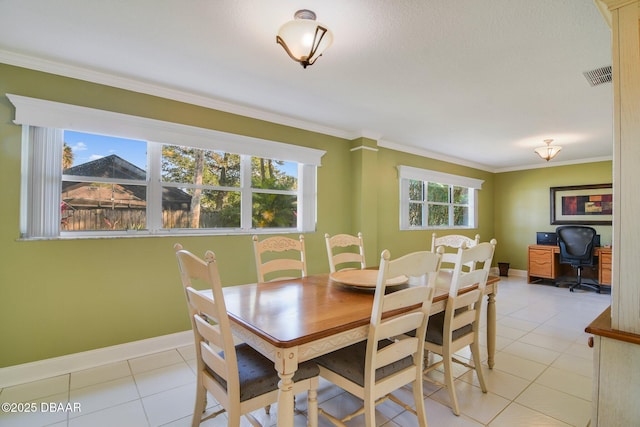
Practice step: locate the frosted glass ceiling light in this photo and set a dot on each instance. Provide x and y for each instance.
(304, 39)
(548, 152)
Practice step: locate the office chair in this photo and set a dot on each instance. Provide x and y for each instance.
(576, 248)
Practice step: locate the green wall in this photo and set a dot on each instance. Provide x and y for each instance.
(60, 297)
(65, 296)
(522, 205)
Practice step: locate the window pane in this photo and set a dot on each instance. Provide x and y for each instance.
(429, 204)
(416, 190)
(437, 192)
(199, 166)
(194, 208)
(274, 210)
(438, 215)
(460, 195)
(101, 206)
(273, 174)
(415, 214)
(86, 154)
(460, 215)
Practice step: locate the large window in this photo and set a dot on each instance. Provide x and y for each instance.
(153, 177)
(430, 200)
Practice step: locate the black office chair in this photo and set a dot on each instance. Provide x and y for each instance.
(577, 244)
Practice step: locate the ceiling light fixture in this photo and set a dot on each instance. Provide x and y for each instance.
(548, 152)
(304, 39)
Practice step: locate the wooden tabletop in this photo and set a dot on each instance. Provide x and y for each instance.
(288, 313)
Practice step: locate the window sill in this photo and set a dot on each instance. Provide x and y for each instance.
(144, 234)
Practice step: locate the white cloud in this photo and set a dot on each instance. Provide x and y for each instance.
(95, 157)
(80, 146)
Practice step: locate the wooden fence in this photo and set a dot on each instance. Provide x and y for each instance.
(130, 219)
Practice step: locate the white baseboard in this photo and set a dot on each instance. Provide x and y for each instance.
(512, 272)
(517, 273)
(47, 368)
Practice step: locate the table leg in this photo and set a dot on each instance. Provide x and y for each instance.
(491, 329)
(286, 364)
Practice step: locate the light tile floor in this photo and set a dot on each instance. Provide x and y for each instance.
(542, 376)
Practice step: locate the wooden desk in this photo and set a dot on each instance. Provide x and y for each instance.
(291, 321)
(544, 264)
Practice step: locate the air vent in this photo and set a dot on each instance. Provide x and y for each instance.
(598, 76)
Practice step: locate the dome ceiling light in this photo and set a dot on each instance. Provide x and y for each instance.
(548, 152)
(304, 39)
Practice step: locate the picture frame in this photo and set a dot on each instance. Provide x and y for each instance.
(582, 204)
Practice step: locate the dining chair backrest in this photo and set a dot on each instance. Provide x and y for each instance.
(279, 257)
(204, 313)
(458, 326)
(239, 378)
(392, 355)
(479, 254)
(453, 241)
(345, 252)
(421, 269)
(451, 244)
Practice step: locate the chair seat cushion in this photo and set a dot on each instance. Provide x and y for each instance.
(258, 374)
(349, 362)
(435, 328)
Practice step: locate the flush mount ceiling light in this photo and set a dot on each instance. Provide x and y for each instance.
(548, 152)
(304, 39)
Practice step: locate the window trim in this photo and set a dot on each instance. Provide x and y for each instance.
(51, 114)
(406, 173)
(34, 113)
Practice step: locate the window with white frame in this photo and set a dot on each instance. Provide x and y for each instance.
(88, 172)
(430, 199)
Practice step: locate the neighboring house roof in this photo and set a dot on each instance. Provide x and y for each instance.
(85, 194)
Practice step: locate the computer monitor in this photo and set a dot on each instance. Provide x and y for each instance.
(550, 238)
(546, 238)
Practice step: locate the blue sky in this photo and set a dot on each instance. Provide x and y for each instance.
(87, 147)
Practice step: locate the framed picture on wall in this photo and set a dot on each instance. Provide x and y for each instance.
(582, 204)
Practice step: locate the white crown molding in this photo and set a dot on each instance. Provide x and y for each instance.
(432, 155)
(47, 368)
(551, 164)
(364, 147)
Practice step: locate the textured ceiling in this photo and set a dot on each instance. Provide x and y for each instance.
(484, 82)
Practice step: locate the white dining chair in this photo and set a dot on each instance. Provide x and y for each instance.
(458, 326)
(345, 252)
(279, 257)
(392, 355)
(451, 244)
(240, 378)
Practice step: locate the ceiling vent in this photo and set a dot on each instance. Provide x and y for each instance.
(598, 76)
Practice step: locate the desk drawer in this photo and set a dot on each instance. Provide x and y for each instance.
(605, 269)
(541, 263)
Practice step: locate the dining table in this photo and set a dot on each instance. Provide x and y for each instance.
(295, 320)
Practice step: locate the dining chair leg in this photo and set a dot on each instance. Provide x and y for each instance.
(448, 380)
(200, 405)
(233, 418)
(369, 412)
(418, 397)
(475, 352)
